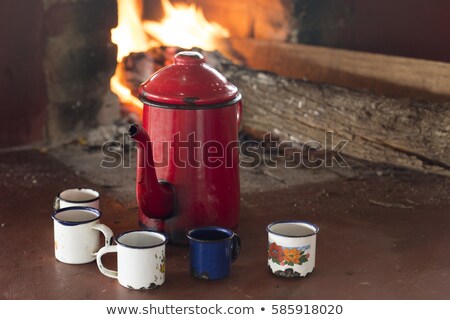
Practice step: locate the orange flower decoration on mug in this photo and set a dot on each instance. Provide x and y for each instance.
(292, 255)
(287, 256)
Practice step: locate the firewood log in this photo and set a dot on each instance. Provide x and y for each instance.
(400, 132)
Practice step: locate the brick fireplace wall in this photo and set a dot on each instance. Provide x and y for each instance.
(79, 62)
(56, 60)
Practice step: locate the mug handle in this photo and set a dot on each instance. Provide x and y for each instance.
(56, 203)
(105, 271)
(235, 247)
(107, 232)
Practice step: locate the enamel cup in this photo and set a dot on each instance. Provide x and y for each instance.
(212, 250)
(76, 234)
(141, 259)
(78, 197)
(291, 248)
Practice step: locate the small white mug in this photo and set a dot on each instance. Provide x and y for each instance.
(76, 234)
(78, 197)
(292, 248)
(141, 257)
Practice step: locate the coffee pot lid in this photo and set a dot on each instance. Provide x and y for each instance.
(188, 83)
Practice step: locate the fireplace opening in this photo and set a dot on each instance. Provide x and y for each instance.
(91, 57)
(147, 42)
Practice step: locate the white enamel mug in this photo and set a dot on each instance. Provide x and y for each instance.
(77, 237)
(78, 197)
(292, 248)
(141, 259)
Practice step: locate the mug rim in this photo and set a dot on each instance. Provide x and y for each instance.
(75, 223)
(190, 237)
(79, 201)
(313, 232)
(166, 239)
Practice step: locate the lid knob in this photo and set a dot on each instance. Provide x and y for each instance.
(188, 58)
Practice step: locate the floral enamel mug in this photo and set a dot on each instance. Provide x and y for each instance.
(291, 248)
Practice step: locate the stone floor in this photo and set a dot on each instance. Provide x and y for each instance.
(384, 233)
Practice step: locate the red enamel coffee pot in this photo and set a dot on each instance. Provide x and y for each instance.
(188, 155)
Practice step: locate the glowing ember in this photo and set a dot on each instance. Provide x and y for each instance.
(182, 26)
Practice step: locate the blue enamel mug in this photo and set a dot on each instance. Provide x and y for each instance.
(212, 250)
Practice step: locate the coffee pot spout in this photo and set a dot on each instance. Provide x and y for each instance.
(155, 198)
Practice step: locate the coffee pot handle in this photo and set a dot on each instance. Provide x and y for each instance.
(105, 271)
(235, 247)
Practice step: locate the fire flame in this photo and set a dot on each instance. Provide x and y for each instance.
(186, 27)
(129, 34)
(182, 26)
